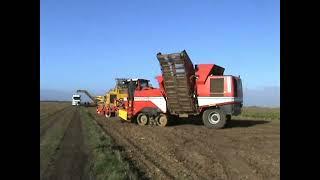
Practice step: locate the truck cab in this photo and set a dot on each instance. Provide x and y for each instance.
(76, 99)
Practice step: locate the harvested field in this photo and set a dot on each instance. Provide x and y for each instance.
(50, 108)
(246, 149)
(70, 147)
(76, 143)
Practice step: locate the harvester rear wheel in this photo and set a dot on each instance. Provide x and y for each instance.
(142, 119)
(162, 120)
(214, 118)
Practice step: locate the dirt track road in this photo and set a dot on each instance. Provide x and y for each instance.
(69, 159)
(247, 149)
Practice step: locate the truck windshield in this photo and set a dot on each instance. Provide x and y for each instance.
(76, 98)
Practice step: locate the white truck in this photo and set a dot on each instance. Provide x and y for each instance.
(76, 98)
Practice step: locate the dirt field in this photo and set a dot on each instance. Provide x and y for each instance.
(62, 155)
(70, 159)
(246, 149)
(73, 146)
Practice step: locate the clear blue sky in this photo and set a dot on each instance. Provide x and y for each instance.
(88, 43)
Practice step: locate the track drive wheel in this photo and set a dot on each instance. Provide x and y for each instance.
(142, 119)
(162, 120)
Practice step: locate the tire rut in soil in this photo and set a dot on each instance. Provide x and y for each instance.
(55, 134)
(162, 165)
(222, 149)
(205, 153)
(70, 159)
(48, 115)
(217, 149)
(51, 120)
(149, 165)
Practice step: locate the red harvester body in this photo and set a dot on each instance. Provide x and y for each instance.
(185, 90)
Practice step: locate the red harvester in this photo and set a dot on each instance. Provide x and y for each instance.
(184, 90)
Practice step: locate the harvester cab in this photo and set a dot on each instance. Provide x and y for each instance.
(138, 83)
(135, 84)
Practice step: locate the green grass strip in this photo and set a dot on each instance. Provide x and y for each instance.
(105, 161)
(260, 113)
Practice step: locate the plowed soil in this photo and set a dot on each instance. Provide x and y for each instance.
(245, 149)
(70, 157)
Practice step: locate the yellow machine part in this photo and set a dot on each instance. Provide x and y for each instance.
(115, 93)
(123, 114)
(100, 99)
(119, 95)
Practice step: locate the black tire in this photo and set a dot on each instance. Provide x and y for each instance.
(142, 119)
(214, 118)
(162, 120)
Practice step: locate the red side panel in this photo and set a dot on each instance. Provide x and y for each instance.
(148, 93)
(161, 84)
(203, 71)
(203, 89)
(139, 105)
(148, 98)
